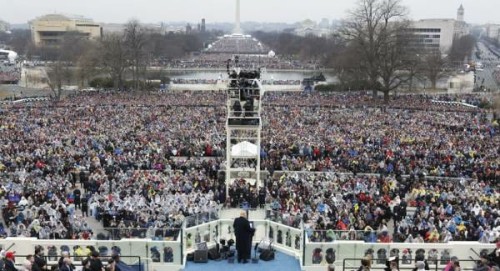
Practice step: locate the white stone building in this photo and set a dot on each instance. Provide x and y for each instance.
(440, 33)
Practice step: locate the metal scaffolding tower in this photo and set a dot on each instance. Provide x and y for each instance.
(243, 126)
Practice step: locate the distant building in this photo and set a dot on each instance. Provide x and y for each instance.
(310, 27)
(4, 26)
(493, 31)
(324, 23)
(439, 33)
(434, 34)
(203, 26)
(50, 29)
(108, 28)
(461, 27)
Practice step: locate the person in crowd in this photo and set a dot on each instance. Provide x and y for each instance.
(39, 260)
(419, 266)
(366, 264)
(111, 266)
(95, 262)
(67, 265)
(29, 262)
(9, 264)
(64, 255)
(86, 264)
(494, 256)
(481, 265)
(392, 264)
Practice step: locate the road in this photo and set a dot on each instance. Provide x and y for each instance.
(490, 61)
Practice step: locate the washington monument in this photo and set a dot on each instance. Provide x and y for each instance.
(237, 28)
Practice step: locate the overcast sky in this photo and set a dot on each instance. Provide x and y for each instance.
(154, 11)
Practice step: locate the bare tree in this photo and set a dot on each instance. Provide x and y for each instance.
(135, 44)
(461, 49)
(347, 68)
(114, 58)
(87, 63)
(66, 55)
(378, 29)
(432, 67)
(55, 78)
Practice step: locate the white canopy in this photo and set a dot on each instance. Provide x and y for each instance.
(244, 149)
(11, 55)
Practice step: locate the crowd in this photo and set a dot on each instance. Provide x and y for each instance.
(246, 61)
(9, 73)
(237, 44)
(370, 140)
(116, 141)
(146, 163)
(359, 207)
(219, 80)
(496, 75)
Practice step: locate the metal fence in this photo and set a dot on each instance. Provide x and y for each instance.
(156, 234)
(200, 218)
(290, 220)
(337, 235)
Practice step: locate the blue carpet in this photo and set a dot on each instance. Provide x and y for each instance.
(281, 262)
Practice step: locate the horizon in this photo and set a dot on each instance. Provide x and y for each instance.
(181, 11)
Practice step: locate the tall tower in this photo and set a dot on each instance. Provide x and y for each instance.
(203, 27)
(243, 128)
(460, 14)
(237, 28)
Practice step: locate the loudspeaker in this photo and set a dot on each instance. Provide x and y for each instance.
(201, 256)
(267, 255)
(214, 254)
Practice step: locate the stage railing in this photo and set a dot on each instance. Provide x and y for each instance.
(171, 255)
(133, 262)
(157, 234)
(317, 255)
(153, 255)
(282, 237)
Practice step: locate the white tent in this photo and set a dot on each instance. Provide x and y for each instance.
(10, 55)
(244, 149)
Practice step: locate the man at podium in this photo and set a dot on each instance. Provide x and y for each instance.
(244, 233)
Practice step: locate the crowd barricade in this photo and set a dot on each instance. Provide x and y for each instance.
(26, 100)
(448, 103)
